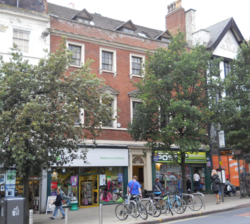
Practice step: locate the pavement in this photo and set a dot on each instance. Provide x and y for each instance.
(91, 215)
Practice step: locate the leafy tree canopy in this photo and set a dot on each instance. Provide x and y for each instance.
(175, 103)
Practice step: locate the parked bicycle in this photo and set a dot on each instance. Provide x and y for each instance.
(131, 206)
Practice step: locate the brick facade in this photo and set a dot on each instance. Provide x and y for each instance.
(34, 5)
(93, 39)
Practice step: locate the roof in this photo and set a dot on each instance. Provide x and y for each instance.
(101, 21)
(218, 31)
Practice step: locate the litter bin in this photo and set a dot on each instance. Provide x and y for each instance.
(12, 210)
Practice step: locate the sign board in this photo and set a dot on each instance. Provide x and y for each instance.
(226, 152)
(200, 157)
(222, 139)
(50, 206)
(208, 164)
(10, 180)
(99, 157)
(120, 177)
(156, 157)
(102, 179)
(2, 178)
(220, 162)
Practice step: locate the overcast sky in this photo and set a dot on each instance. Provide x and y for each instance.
(152, 13)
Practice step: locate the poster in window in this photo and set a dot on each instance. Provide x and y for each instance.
(102, 179)
(74, 181)
(120, 177)
(53, 185)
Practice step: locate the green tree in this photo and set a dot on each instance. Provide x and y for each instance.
(174, 109)
(38, 107)
(234, 107)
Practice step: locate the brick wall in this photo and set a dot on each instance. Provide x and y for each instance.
(122, 81)
(34, 5)
(176, 20)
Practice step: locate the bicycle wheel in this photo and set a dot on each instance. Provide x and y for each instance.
(195, 203)
(147, 207)
(179, 206)
(121, 212)
(155, 209)
(143, 211)
(134, 210)
(164, 208)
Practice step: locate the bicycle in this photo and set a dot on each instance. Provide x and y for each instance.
(153, 207)
(195, 203)
(131, 207)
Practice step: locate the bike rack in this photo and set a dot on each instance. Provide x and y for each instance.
(199, 193)
(190, 195)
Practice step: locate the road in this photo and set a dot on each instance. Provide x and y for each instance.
(239, 216)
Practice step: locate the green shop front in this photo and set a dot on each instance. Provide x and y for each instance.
(167, 171)
(98, 175)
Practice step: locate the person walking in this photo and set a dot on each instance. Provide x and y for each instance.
(157, 188)
(215, 185)
(134, 187)
(196, 181)
(58, 204)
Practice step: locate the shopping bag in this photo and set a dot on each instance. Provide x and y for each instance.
(119, 200)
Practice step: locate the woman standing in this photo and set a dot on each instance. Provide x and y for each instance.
(157, 188)
(215, 185)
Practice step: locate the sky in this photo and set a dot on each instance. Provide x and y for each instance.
(152, 14)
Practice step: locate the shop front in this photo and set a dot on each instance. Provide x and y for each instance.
(167, 171)
(99, 177)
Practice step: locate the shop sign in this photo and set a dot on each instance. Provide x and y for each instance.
(99, 157)
(50, 206)
(156, 157)
(222, 139)
(199, 157)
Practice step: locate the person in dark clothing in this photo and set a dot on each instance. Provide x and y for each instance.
(58, 204)
(188, 184)
(157, 188)
(215, 185)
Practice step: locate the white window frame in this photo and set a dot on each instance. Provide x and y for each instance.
(133, 99)
(114, 71)
(143, 61)
(114, 123)
(30, 46)
(82, 52)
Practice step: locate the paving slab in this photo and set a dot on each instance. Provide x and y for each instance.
(91, 215)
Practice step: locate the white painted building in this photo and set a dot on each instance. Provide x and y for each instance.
(27, 29)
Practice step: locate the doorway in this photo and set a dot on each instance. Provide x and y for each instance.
(88, 190)
(139, 172)
(201, 172)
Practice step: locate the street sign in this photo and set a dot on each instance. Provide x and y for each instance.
(220, 162)
(222, 139)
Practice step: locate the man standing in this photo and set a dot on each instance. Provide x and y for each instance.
(58, 204)
(196, 181)
(134, 187)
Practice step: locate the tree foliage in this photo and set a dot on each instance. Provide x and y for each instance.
(175, 104)
(234, 108)
(38, 106)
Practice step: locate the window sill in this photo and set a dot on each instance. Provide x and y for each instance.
(75, 66)
(106, 128)
(139, 76)
(107, 71)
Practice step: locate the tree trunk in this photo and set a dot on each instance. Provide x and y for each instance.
(183, 172)
(26, 195)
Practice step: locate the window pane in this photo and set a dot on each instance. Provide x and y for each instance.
(136, 65)
(76, 58)
(107, 60)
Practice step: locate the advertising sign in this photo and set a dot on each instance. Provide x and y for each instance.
(102, 179)
(2, 178)
(120, 177)
(50, 206)
(53, 185)
(222, 139)
(10, 180)
(234, 174)
(99, 157)
(199, 157)
(74, 181)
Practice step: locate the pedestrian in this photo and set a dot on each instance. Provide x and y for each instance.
(134, 187)
(215, 185)
(180, 186)
(58, 204)
(188, 184)
(157, 188)
(196, 181)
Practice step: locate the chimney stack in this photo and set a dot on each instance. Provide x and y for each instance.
(175, 19)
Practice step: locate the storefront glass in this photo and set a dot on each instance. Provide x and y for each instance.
(111, 183)
(65, 179)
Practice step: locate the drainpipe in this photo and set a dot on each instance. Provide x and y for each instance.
(17, 3)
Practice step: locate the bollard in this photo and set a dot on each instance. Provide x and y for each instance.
(66, 215)
(30, 216)
(100, 214)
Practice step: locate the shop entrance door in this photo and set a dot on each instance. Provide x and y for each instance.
(201, 185)
(88, 190)
(138, 171)
(34, 195)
